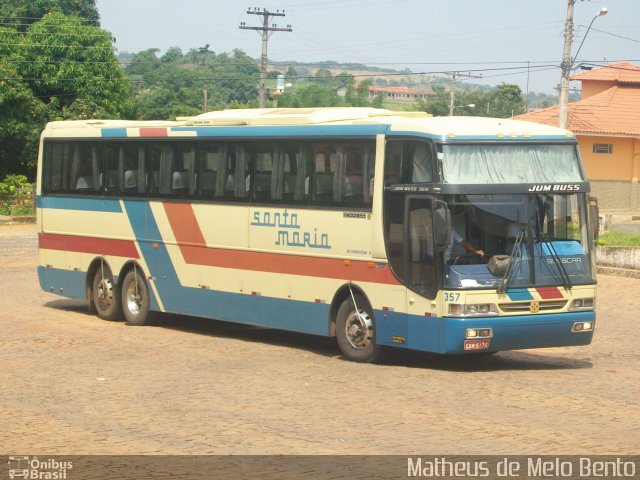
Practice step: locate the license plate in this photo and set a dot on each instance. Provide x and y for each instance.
(480, 344)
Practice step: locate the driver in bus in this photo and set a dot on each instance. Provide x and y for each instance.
(456, 239)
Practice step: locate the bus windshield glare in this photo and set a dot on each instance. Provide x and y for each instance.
(494, 164)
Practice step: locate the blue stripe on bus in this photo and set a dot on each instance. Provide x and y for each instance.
(113, 132)
(292, 315)
(431, 334)
(299, 131)
(79, 203)
(519, 295)
(452, 139)
(68, 283)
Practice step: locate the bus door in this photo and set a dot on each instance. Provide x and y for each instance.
(412, 256)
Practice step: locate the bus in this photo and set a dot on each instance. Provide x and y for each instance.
(453, 235)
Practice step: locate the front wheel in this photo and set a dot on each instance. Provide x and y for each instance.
(135, 299)
(356, 331)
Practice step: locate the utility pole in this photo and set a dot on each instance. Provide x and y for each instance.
(567, 61)
(205, 99)
(452, 92)
(566, 67)
(266, 30)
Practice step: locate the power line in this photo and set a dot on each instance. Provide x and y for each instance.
(615, 35)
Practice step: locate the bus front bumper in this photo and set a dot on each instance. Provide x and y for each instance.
(472, 335)
(452, 335)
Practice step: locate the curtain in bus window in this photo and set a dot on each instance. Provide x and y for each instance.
(242, 179)
(339, 167)
(303, 158)
(96, 168)
(222, 160)
(422, 164)
(354, 169)
(85, 174)
(166, 161)
(477, 164)
(367, 187)
(277, 174)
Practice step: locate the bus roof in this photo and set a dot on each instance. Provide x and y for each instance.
(396, 122)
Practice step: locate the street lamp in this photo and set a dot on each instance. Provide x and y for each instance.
(471, 105)
(567, 61)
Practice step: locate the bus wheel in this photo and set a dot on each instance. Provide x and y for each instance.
(355, 331)
(105, 295)
(135, 299)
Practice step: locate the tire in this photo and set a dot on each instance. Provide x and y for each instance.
(135, 300)
(356, 331)
(105, 296)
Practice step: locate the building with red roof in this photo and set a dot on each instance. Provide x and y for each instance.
(607, 124)
(400, 94)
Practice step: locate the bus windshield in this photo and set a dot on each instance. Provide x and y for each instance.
(492, 164)
(544, 237)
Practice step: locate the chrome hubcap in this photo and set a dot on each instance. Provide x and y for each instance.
(359, 329)
(105, 294)
(134, 300)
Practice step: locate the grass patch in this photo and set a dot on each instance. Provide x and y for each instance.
(619, 239)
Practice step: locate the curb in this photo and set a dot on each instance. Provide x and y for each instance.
(618, 272)
(5, 220)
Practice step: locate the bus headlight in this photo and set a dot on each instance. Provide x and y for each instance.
(479, 333)
(582, 304)
(472, 309)
(582, 327)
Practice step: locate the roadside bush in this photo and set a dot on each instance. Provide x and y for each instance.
(16, 197)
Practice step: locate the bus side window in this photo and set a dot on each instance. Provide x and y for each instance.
(237, 174)
(161, 168)
(183, 170)
(54, 167)
(302, 167)
(209, 157)
(264, 164)
(408, 161)
(86, 169)
(342, 173)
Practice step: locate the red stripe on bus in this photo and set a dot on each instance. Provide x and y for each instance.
(285, 264)
(98, 246)
(548, 293)
(184, 224)
(153, 132)
(186, 230)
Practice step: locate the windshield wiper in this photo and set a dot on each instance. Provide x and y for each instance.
(516, 253)
(566, 281)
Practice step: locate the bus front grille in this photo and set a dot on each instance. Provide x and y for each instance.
(526, 306)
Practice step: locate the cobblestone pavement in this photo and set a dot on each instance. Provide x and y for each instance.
(74, 384)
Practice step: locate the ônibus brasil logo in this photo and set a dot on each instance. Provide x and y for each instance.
(38, 469)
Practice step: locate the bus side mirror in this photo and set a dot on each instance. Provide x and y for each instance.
(594, 216)
(441, 225)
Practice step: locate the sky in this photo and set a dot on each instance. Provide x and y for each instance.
(510, 41)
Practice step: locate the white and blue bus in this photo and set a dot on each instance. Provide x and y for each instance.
(384, 229)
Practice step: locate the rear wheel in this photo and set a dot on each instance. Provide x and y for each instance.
(105, 294)
(135, 299)
(356, 331)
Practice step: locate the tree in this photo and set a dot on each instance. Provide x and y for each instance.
(310, 95)
(22, 13)
(160, 103)
(358, 95)
(438, 104)
(73, 69)
(22, 118)
(506, 101)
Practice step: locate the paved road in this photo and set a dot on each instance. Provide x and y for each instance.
(74, 384)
